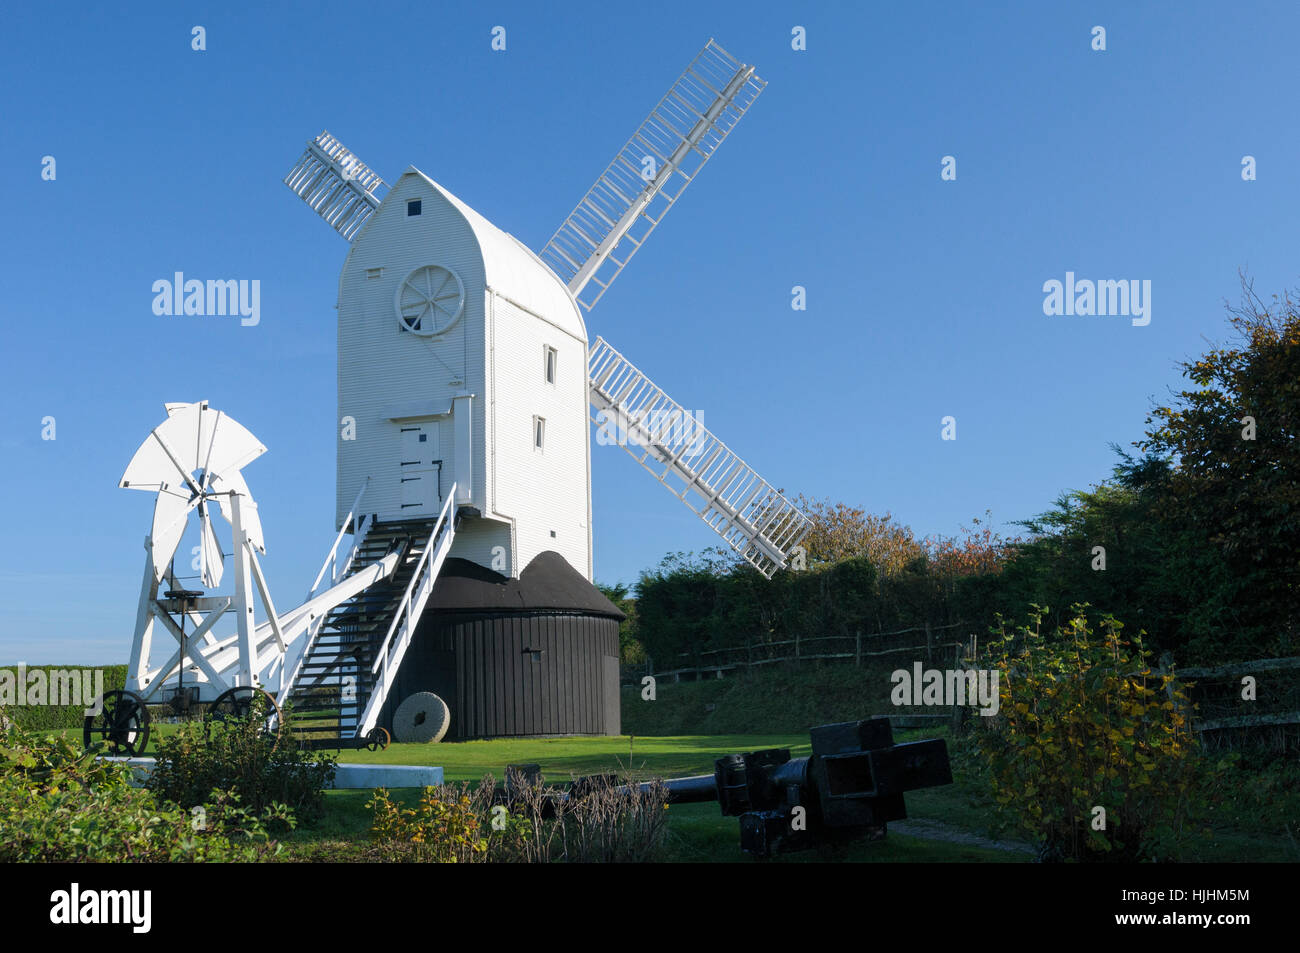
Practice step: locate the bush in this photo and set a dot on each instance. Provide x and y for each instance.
(441, 829)
(1084, 723)
(59, 804)
(239, 755)
(605, 824)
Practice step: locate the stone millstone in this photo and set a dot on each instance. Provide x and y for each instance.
(422, 718)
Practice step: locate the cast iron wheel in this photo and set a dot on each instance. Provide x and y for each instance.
(378, 740)
(122, 723)
(243, 701)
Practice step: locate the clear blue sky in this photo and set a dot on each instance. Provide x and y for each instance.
(924, 296)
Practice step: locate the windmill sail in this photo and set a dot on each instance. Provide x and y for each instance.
(698, 468)
(194, 450)
(339, 186)
(648, 175)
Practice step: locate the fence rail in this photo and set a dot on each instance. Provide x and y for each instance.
(1217, 694)
(817, 648)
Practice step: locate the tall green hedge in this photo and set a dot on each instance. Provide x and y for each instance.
(43, 717)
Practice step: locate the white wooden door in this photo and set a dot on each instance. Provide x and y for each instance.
(420, 466)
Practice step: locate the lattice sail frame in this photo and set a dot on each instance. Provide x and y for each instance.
(754, 518)
(336, 184)
(650, 172)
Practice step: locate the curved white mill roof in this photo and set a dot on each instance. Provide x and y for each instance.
(514, 270)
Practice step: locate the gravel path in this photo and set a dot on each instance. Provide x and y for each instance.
(935, 830)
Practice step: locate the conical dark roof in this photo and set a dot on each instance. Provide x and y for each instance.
(547, 583)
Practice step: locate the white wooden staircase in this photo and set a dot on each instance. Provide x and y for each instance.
(347, 668)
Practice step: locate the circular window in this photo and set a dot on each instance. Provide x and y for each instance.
(430, 300)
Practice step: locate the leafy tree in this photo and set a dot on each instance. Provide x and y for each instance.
(630, 648)
(1099, 546)
(1233, 481)
(1201, 533)
(841, 531)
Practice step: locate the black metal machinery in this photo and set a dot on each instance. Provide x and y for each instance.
(849, 788)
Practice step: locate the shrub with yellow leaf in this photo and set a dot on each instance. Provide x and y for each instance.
(1084, 724)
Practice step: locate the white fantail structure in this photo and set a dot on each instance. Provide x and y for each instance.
(191, 461)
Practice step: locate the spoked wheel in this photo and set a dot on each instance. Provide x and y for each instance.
(378, 739)
(244, 701)
(122, 723)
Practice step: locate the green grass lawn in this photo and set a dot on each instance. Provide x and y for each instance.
(563, 758)
(560, 758)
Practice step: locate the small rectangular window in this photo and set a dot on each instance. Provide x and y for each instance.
(549, 363)
(374, 272)
(413, 207)
(539, 433)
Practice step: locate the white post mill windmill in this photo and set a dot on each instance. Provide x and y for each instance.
(466, 382)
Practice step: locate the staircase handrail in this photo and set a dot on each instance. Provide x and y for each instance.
(347, 522)
(417, 595)
(317, 624)
(404, 607)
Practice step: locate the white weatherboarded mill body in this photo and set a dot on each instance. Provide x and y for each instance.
(486, 388)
